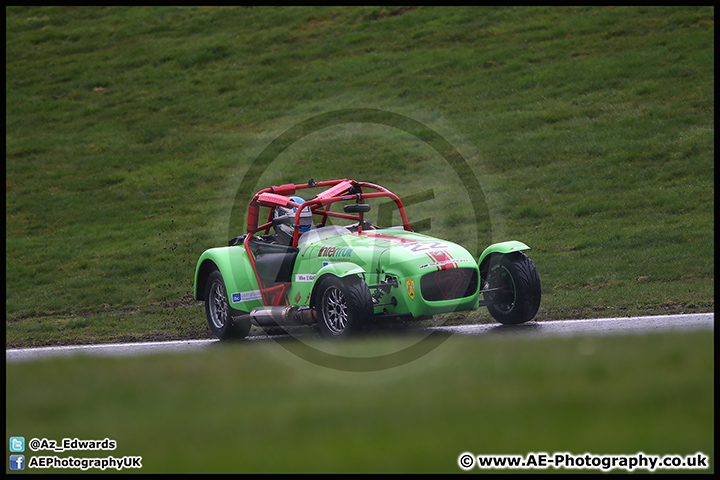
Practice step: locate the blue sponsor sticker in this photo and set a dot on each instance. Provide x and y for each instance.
(248, 296)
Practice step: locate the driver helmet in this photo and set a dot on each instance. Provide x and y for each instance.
(286, 216)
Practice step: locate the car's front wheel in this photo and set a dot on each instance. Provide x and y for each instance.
(344, 305)
(514, 285)
(217, 310)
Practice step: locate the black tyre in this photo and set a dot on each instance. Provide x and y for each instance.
(344, 305)
(217, 310)
(517, 297)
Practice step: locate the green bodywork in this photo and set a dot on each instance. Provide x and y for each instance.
(503, 247)
(394, 258)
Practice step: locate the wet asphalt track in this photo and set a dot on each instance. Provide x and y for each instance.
(603, 326)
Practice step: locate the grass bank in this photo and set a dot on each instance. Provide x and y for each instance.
(128, 131)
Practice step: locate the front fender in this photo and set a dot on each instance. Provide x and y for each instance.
(503, 247)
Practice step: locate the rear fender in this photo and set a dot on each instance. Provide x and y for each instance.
(337, 269)
(236, 270)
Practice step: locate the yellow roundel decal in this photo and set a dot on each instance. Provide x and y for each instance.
(410, 284)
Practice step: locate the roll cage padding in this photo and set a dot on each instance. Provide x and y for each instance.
(339, 190)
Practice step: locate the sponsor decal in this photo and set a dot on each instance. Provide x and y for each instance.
(422, 248)
(443, 263)
(298, 297)
(410, 285)
(442, 260)
(246, 296)
(304, 277)
(335, 252)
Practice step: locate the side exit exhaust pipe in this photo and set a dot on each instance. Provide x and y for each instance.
(282, 316)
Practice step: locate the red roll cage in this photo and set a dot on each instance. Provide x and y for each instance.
(343, 190)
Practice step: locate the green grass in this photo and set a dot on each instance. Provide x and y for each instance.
(255, 407)
(129, 131)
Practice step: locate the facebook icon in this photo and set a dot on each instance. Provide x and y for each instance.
(17, 462)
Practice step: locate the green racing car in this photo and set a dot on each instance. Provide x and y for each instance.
(310, 263)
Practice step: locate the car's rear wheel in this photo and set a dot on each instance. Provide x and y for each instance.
(344, 305)
(515, 288)
(217, 310)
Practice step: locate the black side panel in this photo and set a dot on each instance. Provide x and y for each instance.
(276, 267)
(274, 262)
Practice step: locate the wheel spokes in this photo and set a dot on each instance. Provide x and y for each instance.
(336, 311)
(219, 316)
